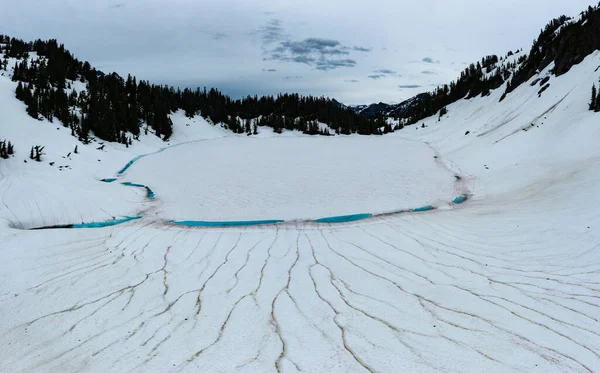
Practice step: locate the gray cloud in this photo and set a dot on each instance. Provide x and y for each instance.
(312, 45)
(292, 77)
(352, 81)
(382, 73)
(323, 54)
(219, 35)
(409, 86)
(216, 35)
(270, 70)
(115, 6)
(297, 59)
(361, 49)
(428, 72)
(334, 64)
(385, 72)
(430, 60)
(271, 32)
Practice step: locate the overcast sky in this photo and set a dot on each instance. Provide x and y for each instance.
(355, 51)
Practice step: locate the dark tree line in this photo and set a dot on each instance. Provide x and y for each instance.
(562, 41)
(539, 57)
(6, 149)
(478, 79)
(36, 153)
(112, 106)
(595, 101)
(109, 107)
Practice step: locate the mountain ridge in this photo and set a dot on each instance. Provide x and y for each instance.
(117, 109)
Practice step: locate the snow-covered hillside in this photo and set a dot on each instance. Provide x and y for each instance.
(508, 280)
(64, 188)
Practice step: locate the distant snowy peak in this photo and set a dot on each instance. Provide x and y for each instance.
(374, 110)
(404, 107)
(338, 104)
(390, 110)
(383, 109)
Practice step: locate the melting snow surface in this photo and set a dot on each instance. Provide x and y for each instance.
(507, 281)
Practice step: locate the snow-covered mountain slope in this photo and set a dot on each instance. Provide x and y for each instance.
(506, 281)
(523, 140)
(64, 188)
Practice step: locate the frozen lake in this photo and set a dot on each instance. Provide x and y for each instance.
(293, 178)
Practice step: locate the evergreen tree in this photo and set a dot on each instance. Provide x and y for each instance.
(33, 107)
(38, 153)
(19, 91)
(593, 103)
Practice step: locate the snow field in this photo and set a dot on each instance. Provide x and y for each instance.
(505, 282)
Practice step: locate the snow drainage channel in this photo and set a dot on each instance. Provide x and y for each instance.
(242, 223)
(326, 220)
(460, 199)
(131, 162)
(108, 223)
(98, 224)
(343, 218)
(149, 193)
